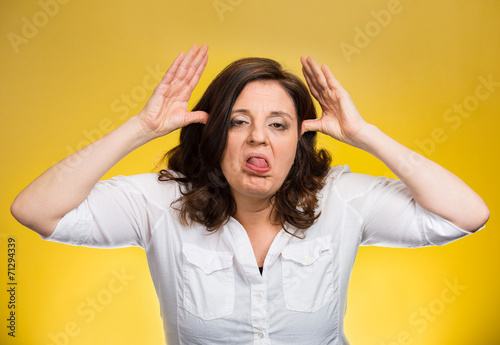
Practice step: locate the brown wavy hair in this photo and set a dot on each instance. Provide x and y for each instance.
(206, 196)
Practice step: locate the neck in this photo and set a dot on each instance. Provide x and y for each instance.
(253, 214)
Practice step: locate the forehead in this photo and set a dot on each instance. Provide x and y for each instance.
(267, 95)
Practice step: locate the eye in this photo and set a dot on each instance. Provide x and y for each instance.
(236, 122)
(278, 125)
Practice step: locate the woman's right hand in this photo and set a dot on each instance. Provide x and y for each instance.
(166, 110)
(66, 184)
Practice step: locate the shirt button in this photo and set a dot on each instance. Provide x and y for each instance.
(307, 259)
(259, 297)
(261, 335)
(207, 267)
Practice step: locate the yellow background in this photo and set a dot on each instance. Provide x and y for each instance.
(63, 81)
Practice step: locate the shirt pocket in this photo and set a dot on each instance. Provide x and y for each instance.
(208, 282)
(307, 269)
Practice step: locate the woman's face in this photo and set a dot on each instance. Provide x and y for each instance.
(261, 141)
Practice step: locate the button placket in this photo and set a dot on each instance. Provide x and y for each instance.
(262, 338)
(246, 256)
(260, 316)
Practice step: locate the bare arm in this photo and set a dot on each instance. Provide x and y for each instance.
(433, 187)
(67, 184)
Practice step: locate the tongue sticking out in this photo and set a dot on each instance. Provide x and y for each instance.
(258, 162)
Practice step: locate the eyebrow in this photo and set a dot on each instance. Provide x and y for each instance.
(246, 111)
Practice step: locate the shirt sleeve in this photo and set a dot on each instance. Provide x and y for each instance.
(391, 217)
(119, 212)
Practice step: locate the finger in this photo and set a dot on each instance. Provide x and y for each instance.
(199, 71)
(311, 126)
(197, 62)
(183, 68)
(306, 71)
(330, 78)
(305, 68)
(169, 75)
(309, 73)
(317, 73)
(197, 117)
(310, 84)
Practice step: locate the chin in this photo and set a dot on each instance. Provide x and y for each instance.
(259, 187)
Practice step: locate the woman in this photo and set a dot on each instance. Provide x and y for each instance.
(246, 174)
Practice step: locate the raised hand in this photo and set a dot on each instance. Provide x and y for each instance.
(340, 118)
(166, 110)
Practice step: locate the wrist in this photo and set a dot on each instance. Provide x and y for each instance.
(138, 131)
(366, 137)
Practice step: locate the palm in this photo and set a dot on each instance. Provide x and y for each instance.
(340, 118)
(166, 110)
(163, 112)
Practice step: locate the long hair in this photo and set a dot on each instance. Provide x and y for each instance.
(206, 196)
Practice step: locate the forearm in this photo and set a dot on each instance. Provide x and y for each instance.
(67, 184)
(433, 187)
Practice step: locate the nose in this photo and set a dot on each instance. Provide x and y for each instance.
(257, 134)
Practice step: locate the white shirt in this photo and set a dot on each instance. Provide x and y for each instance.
(209, 286)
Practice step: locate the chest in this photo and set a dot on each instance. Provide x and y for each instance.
(261, 241)
(220, 287)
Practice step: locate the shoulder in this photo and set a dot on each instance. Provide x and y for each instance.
(146, 185)
(350, 185)
(341, 175)
(146, 181)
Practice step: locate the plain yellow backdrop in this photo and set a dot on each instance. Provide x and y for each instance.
(426, 72)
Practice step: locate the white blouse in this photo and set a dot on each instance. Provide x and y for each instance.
(209, 286)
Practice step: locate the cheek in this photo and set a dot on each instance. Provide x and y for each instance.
(225, 162)
(290, 159)
(286, 155)
(230, 155)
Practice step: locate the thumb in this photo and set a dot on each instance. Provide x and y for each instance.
(311, 126)
(198, 117)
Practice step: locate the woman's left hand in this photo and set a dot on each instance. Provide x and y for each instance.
(340, 118)
(434, 188)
